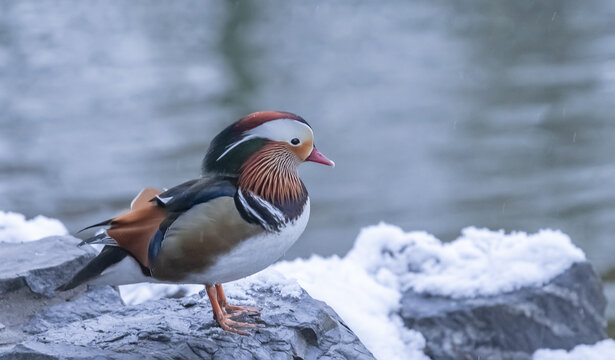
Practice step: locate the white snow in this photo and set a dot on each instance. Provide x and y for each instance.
(480, 262)
(267, 279)
(366, 301)
(15, 228)
(365, 286)
(603, 350)
(139, 293)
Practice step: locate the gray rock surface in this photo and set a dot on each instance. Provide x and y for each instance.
(29, 272)
(38, 265)
(40, 324)
(567, 311)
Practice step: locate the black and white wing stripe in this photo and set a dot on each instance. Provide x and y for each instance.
(256, 210)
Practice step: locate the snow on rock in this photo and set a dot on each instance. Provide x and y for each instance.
(368, 304)
(480, 262)
(602, 350)
(139, 293)
(15, 228)
(268, 279)
(565, 312)
(365, 286)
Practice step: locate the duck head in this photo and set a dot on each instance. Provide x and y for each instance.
(278, 134)
(263, 150)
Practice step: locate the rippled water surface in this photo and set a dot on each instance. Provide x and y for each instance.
(440, 114)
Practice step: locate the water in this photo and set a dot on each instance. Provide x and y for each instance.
(440, 114)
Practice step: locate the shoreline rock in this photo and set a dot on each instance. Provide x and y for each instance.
(565, 312)
(83, 324)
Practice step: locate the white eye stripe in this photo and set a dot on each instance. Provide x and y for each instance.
(283, 130)
(234, 145)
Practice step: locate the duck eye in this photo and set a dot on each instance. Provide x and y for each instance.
(295, 141)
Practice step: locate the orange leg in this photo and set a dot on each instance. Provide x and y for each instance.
(222, 317)
(236, 310)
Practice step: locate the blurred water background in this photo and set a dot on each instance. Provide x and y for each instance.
(439, 113)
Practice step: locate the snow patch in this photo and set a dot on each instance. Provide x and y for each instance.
(15, 228)
(480, 262)
(139, 293)
(602, 350)
(367, 303)
(365, 286)
(267, 279)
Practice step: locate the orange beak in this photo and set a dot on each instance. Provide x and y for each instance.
(317, 157)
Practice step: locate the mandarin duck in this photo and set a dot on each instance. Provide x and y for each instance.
(244, 212)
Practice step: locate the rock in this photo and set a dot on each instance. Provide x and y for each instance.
(29, 273)
(39, 265)
(96, 324)
(565, 312)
